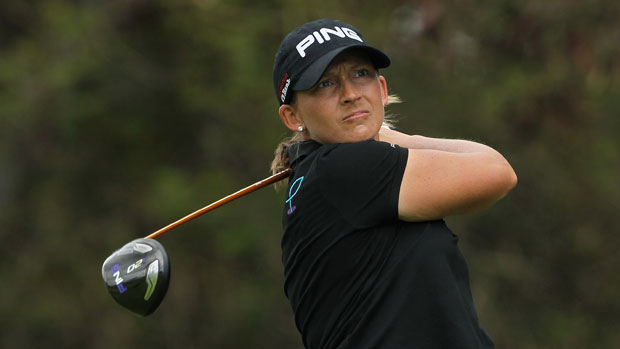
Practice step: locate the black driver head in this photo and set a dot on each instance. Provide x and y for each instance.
(137, 275)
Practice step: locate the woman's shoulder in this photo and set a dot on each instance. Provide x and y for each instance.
(364, 151)
(354, 149)
(339, 157)
(359, 156)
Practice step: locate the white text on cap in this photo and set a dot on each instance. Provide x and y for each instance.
(309, 40)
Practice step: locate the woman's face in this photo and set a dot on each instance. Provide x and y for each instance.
(345, 106)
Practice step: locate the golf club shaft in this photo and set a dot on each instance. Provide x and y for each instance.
(269, 180)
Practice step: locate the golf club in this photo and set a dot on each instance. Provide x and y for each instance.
(137, 275)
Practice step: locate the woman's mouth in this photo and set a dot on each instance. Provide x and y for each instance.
(356, 115)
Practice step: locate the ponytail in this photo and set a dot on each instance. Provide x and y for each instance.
(281, 160)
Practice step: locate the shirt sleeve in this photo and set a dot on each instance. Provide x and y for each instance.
(362, 180)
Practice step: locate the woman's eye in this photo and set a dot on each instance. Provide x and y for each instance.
(324, 83)
(362, 72)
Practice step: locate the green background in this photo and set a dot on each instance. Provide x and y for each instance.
(119, 117)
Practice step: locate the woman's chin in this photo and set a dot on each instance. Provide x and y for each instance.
(364, 133)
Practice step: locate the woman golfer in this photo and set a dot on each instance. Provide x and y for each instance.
(368, 260)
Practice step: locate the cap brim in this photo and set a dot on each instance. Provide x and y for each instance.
(313, 73)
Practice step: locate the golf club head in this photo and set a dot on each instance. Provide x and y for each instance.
(137, 275)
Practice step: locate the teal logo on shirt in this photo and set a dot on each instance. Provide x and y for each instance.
(295, 186)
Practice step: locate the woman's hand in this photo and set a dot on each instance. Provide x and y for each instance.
(391, 136)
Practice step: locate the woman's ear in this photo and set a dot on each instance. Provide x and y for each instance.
(290, 118)
(384, 92)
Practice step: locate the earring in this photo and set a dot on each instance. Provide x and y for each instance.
(300, 128)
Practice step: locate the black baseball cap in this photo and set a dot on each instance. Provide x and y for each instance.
(306, 52)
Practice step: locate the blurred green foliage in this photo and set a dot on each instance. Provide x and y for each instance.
(119, 117)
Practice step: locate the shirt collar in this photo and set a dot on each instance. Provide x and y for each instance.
(299, 151)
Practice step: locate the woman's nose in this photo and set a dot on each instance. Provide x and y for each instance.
(350, 92)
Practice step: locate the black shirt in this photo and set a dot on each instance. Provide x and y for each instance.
(356, 276)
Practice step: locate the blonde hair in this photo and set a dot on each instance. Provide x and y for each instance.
(281, 160)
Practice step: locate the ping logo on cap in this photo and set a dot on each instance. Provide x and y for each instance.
(323, 35)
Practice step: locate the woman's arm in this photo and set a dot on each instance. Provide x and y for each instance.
(444, 177)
